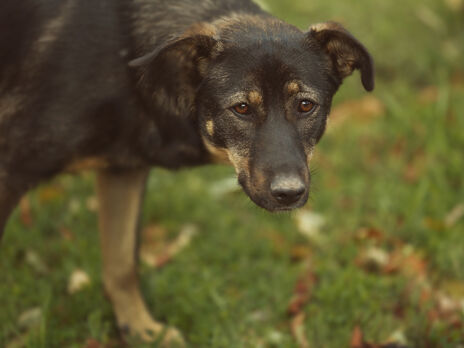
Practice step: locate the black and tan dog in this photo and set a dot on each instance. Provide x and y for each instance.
(122, 85)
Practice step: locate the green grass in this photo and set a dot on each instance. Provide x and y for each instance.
(397, 172)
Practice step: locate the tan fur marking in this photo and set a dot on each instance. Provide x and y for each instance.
(90, 163)
(218, 155)
(53, 28)
(210, 127)
(240, 163)
(293, 87)
(201, 29)
(255, 98)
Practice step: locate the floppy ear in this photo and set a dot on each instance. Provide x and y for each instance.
(186, 48)
(170, 74)
(345, 51)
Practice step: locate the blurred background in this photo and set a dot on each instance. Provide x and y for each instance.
(376, 257)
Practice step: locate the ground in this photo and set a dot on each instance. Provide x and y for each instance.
(376, 255)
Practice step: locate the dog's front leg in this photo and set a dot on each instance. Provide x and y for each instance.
(120, 197)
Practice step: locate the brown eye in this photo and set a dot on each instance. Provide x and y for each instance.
(306, 106)
(241, 109)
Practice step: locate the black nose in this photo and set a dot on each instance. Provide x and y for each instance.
(287, 189)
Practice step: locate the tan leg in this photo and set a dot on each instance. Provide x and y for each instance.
(120, 195)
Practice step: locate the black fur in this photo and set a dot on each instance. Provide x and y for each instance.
(71, 87)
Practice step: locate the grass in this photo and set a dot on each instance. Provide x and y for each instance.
(386, 179)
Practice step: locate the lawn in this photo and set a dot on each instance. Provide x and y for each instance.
(376, 256)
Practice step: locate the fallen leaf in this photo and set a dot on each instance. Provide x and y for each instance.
(298, 332)
(309, 224)
(30, 318)
(50, 193)
(92, 203)
(407, 261)
(92, 343)
(371, 234)
(300, 252)
(78, 280)
(25, 214)
(373, 259)
(430, 18)
(275, 338)
(302, 292)
(399, 337)
(357, 340)
(66, 233)
(34, 260)
(301, 295)
(454, 215)
(169, 250)
(260, 315)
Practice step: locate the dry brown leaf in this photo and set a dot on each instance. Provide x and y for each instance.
(297, 329)
(372, 259)
(302, 292)
(300, 252)
(301, 295)
(50, 193)
(407, 261)
(25, 214)
(370, 234)
(169, 250)
(30, 318)
(92, 343)
(357, 340)
(415, 168)
(66, 233)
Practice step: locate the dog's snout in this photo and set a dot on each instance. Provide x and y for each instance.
(287, 189)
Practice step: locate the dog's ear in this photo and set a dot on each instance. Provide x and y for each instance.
(176, 68)
(196, 45)
(188, 48)
(346, 53)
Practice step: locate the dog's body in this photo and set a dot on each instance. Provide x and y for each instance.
(219, 79)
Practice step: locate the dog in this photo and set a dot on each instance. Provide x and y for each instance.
(119, 86)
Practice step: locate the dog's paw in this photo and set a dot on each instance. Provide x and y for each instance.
(160, 335)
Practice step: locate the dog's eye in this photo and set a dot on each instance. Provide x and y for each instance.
(306, 106)
(241, 109)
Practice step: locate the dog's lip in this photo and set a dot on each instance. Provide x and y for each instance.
(297, 205)
(274, 208)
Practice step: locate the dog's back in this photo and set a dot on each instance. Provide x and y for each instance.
(66, 91)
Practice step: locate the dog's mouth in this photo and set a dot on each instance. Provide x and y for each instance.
(283, 193)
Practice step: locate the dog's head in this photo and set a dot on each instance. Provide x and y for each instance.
(262, 92)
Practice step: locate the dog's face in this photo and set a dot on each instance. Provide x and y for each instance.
(264, 90)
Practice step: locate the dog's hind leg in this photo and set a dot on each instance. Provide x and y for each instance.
(120, 197)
